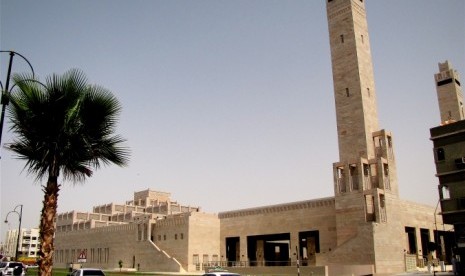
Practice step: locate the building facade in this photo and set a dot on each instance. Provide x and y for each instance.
(28, 243)
(449, 154)
(364, 224)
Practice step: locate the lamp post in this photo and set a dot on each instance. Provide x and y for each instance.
(5, 90)
(20, 214)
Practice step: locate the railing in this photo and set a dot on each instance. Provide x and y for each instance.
(222, 264)
(341, 185)
(355, 182)
(367, 182)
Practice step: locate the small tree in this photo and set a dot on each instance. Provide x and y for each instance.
(120, 264)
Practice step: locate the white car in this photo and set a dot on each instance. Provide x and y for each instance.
(220, 272)
(12, 269)
(87, 272)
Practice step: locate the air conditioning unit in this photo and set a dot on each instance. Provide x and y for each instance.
(460, 161)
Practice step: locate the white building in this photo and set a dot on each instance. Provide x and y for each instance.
(28, 243)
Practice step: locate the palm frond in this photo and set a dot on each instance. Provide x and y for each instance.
(65, 124)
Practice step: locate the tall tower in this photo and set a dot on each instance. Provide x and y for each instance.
(365, 176)
(449, 93)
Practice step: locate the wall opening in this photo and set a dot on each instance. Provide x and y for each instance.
(262, 250)
(233, 250)
(411, 240)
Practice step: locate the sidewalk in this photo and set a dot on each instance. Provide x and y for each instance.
(424, 272)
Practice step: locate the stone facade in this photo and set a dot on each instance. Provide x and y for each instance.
(449, 157)
(267, 237)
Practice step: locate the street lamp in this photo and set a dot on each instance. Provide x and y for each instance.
(5, 91)
(20, 214)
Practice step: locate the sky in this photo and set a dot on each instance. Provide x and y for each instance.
(228, 104)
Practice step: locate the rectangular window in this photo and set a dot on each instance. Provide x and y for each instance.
(440, 154)
(347, 92)
(342, 38)
(444, 82)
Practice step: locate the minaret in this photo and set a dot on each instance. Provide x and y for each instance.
(449, 93)
(365, 176)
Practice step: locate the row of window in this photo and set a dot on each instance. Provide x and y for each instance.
(176, 236)
(97, 255)
(348, 92)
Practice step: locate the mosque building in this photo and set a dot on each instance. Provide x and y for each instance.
(364, 228)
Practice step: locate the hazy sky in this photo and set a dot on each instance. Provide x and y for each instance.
(229, 104)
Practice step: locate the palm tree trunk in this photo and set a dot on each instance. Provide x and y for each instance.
(47, 226)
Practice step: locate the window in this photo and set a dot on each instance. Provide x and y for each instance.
(362, 38)
(164, 237)
(366, 170)
(175, 236)
(445, 194)
(347, 92)
(342, 38)
(440, 154)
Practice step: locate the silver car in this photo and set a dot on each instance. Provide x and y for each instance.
(87, 272)
(12, 269)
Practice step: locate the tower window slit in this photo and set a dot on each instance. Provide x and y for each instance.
(440, 154)
(342, 38)
(347, 92)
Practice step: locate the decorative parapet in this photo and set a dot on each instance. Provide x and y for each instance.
(174, 220)
(308, 204)
(110, 228)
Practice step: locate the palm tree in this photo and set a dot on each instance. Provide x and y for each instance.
(63, 129)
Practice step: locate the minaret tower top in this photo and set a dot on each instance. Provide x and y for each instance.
(449, 91)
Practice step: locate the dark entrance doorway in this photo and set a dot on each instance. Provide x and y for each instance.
(445, 243)
(309, 245)
(424, 237)
(412, 240)
(233, 250)
(269, 250)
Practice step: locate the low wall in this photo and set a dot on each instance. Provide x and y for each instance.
(331, 270)
(281, 270)
(351, 270)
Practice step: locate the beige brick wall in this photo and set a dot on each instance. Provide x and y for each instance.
(284, 218)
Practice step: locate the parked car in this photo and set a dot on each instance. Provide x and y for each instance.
(218, 271)
(87, 272)
(221, 273)
(12, 269)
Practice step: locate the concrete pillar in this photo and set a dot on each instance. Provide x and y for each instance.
(243, 249)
